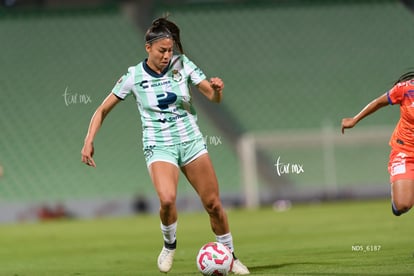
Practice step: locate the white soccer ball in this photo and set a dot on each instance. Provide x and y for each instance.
(214, 259)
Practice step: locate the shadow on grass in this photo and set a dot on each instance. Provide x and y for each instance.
(271, 269)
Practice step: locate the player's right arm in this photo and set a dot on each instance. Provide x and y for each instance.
(94, 125)
(212, 89)
(370, 108)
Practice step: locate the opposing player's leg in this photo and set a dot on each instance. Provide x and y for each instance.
(401, 169)
(164, 176)
(402, 193)
(200, 173)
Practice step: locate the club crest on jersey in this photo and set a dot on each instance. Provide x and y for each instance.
(176, 76)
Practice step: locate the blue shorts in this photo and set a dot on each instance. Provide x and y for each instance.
(179, 155)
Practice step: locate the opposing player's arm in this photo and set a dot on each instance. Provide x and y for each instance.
(370, 108)
(95, 124)
(212, 89)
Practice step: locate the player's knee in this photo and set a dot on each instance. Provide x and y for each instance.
(403, 206)
(167, 202)
(213, 206)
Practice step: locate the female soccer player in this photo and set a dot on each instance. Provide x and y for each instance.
(171, 137)
(401, 162)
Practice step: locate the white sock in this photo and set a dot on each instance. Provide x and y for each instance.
(169, 232)
(227, 240)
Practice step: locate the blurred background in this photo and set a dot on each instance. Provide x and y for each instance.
(292, 71)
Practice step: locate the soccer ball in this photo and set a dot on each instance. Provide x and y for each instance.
(214, 259)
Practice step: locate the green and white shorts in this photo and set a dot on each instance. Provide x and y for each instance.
(179, 154)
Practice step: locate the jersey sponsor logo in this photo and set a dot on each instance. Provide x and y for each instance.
(165, 99)
(173, 118)
(398, 164)
(144, 84)
(160, 83)
(409, 94)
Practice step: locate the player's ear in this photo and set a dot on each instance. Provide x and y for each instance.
(147, 47)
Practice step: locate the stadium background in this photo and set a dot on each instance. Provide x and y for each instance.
(287, 65)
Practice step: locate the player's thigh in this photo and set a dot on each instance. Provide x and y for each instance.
(164, 176)
(403, 191)
(401, 169)
(201, 175)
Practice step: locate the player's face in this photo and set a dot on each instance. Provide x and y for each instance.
(159, 54)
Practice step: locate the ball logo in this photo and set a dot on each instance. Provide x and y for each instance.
(214, 259)
(211, 256)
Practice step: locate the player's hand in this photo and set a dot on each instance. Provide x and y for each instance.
(347, 123)
(217, 84)
(87, 154)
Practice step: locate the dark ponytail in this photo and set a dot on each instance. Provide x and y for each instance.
(405, 77)
(163, 28)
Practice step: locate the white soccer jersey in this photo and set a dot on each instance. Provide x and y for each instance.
(164, 100)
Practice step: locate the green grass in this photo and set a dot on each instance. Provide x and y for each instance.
(314, 239)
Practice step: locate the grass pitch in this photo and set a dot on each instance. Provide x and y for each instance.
(346, 238)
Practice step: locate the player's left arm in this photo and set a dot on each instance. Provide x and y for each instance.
(370, 108)
(212, 89)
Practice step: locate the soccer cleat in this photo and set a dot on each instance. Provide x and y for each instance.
(165, 259)
(239, 268)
